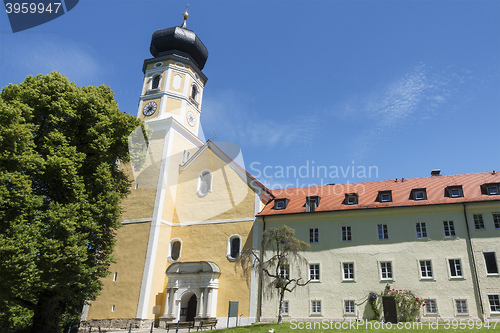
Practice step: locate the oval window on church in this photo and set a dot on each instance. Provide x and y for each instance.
(175, 250)
(233, 247)
(204, 183)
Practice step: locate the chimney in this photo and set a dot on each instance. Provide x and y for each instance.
(436, 172)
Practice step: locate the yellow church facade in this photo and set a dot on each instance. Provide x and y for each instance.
(191, 209)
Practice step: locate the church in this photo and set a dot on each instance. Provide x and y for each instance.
(192, 209)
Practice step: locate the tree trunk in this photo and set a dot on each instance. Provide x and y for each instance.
(47, 316)
(280, 310)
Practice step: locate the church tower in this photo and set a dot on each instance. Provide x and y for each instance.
(191, 208)
(173, 78)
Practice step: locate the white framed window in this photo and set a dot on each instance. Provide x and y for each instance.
(233, 249)
(385, 196)
(351, 198)
(346, 234)
(461, 305)
(431, 307)
(175, 249)
(194, 93)
(382, 232)
(490, 261)
(314, 235)
(314, 272)
(494, 300)
(449, 229)
(493, 190)
(426, 269)
(349, 307)
(455, 268)
(205, 179)
(285, 309)
(386, 270)
(315, 307)
(185, 156)
(312, 203)
(155, 81)
(421, 229)
(478, 221)
(419, 194)
(113, 308)
(115, 276)
(285, 272)
(348, 271)
(280, 204)
(496, 220)
(455, 191)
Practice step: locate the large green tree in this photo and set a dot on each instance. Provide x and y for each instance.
(280, 251)
(60, 193)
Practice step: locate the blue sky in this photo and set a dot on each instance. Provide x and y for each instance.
(402, 86)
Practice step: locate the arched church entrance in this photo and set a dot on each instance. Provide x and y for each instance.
(191, 308)
(191, 291)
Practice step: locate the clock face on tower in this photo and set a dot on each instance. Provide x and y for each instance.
(149, 109)
(190, 118)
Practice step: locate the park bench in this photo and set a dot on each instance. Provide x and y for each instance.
(180, 324)
(206, 324)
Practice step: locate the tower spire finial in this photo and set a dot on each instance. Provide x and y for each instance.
(186, 16)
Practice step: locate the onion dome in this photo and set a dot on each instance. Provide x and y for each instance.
(179, 39)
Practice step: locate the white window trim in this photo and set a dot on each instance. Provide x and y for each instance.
(342, 233)
(486, 267)
(383, 239)
(416, 232)
(150, 82)
(319, 279)
(456, 309)
(489, 305)
(320, 305)
(431, 313)
(170, 249)
(314, 241)
(209, 187)
(115, 276)
(449, 269)
(380, 270)
(344, 310)
(493, 219)
(342, 271)
(228, 249)
(420, 270)
(283, 312)
(454, 229)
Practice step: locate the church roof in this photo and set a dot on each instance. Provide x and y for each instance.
(181, 39)
(435, 190)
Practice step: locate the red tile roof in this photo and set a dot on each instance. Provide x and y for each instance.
(333, 196)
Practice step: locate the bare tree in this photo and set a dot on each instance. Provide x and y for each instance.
(280, 249)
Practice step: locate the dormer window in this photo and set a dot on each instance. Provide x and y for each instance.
(493, 190)
(455, 191)
(490, 189)
(280, 204)
(384, 196)
(312, 203)
(351, 199)
(418, 194)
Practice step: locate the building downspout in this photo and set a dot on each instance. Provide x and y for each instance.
(261, 281)
(475, 278)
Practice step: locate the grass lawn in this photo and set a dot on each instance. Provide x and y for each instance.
(296, 327)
